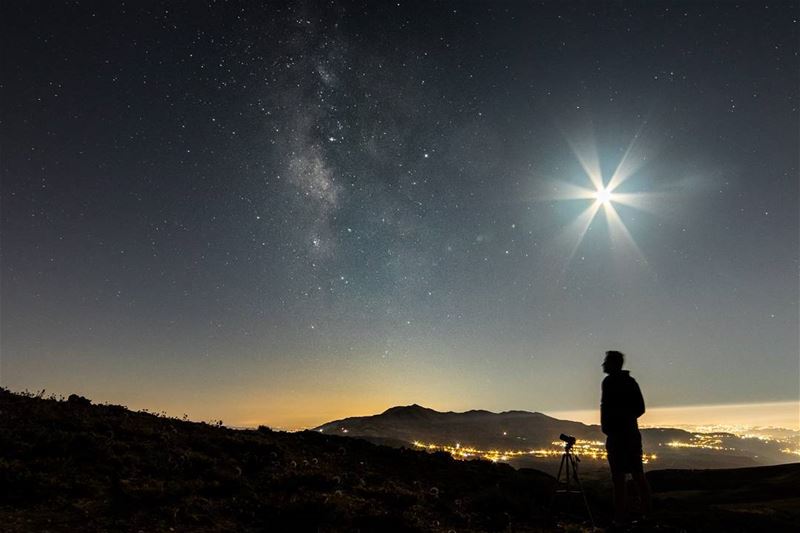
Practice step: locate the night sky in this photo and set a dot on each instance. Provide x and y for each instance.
(287, 213)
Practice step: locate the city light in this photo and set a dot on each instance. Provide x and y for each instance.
(586, 449)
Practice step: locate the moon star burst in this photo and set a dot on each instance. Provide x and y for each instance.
(604, 195)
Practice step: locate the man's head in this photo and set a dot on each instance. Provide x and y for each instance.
(613, 361)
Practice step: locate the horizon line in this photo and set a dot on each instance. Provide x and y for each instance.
(581, 413)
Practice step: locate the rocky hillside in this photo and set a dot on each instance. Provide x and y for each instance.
(72, 466)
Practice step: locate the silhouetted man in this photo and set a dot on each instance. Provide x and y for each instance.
(620, 406)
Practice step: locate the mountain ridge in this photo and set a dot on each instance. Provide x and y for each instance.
(518, 430)
(476, 427)
(416, 409)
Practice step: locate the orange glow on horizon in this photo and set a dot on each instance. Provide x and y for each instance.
(766, 414)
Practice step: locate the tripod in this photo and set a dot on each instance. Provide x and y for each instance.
(569, 465)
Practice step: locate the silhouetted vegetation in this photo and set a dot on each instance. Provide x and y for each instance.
(70, 465)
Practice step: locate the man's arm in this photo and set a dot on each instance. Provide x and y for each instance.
(637, 402)
(603, 409)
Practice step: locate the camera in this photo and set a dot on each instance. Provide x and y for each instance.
(569, 439)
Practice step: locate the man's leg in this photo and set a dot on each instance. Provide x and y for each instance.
(620, 500)
(644, 491)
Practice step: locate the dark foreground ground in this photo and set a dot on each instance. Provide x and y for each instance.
(70, 466)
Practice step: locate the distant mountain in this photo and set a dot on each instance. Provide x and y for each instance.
(478, 428)
(525, 430)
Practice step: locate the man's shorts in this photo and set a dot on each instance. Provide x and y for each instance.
(625, 453)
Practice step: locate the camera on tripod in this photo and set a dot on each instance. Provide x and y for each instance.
(565, 487)
(569, 439)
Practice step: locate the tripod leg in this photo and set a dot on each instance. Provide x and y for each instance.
(583, 493)
(560, 468)
(555, 488)
(567, 488)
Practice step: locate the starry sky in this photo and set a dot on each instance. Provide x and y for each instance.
(285, 213)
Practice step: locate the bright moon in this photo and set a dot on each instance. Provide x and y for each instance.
(603, 196)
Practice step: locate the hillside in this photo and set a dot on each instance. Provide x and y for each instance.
(69, 466)
(759, 499)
